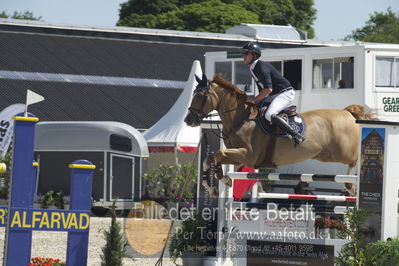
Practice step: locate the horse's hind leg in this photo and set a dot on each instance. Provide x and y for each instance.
(351, 188)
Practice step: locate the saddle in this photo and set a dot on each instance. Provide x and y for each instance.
(289, 114)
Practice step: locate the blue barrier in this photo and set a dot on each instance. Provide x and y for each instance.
(20, 218)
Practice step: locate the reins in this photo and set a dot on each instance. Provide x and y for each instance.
(234, 128)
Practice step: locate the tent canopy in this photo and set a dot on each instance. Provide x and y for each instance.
(170, 132)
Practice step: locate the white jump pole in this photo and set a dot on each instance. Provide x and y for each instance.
(263, 195)
(295, 177)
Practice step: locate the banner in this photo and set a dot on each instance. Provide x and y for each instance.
(7, 126)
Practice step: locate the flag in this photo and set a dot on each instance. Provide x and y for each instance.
(7, 126)
(33, 97)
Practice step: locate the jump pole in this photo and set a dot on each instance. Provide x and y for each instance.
(295, 177)
(263, 195)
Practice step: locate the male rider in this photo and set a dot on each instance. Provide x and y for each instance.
(273, 88)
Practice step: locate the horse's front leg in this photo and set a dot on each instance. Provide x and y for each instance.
(227, 156)
(230, 156)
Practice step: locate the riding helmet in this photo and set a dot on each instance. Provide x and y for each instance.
(252, 47)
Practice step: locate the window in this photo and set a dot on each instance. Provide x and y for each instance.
(333, 73)
(291, 70)
(120, 143)
(238, 73)
(242, 77)
(387, 72)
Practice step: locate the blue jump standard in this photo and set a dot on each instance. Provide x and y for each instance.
(20, 218)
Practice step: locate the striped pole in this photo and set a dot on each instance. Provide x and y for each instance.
(316, 208)
(295, 177)
(305, 197)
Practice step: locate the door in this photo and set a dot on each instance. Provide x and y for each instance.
(121, 177)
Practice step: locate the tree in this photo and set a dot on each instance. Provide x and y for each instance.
(381, 27)
(27, 15)
(216, 15)
(114, 249)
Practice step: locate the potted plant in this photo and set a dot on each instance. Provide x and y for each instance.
(189, 242)
(48, 201)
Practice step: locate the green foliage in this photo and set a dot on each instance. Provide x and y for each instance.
(383, 253)
(114, 249)
(167, 181)
(381, 27)
(48, 199)
(352, 253)
(216, 15)
(27, 15)
(7, 175)
(190, 237)
(53, 198)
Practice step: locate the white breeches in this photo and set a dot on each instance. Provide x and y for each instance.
(279, 102)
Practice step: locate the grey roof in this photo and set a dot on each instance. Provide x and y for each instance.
(86, 136)
(140, 107)
(81, 71)
(269, 32)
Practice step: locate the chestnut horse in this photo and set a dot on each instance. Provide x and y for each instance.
(331, 135)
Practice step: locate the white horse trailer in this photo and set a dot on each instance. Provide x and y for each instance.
(326, 77)
(118, 150)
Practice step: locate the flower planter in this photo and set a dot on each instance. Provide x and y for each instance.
(192, 258)
(333, 233)
(322, 233)
(52, 207)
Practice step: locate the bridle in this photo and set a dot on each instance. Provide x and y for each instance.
(199, 116)
(196, 112)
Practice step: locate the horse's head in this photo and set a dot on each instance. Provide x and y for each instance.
(204, 101)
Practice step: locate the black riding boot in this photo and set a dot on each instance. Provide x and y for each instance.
(281, 123)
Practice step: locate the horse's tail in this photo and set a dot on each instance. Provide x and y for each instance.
(359, 113)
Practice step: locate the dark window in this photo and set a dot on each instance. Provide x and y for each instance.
(293, 72)
(120, 143)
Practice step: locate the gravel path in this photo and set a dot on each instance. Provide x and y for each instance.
(53, 244)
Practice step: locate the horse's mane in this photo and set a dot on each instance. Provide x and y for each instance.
(218, 79)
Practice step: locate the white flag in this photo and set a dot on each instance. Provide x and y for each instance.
(33, 97)
(7, 126)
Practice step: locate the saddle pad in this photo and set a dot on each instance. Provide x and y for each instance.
(296, 122)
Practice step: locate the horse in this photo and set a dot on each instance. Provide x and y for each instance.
(331, 135)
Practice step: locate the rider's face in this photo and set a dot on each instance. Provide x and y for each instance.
(248, 57)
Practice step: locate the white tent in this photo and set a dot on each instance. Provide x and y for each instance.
(170, 133)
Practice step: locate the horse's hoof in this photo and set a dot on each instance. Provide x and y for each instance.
(351, 189)
(219, 172)
(210, 159)
(213, 192)
(227, 181)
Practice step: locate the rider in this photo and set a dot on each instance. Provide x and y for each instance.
(273, 88)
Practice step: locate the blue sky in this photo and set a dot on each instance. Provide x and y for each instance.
(335, 18)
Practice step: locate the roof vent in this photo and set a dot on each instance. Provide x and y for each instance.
(269, 32)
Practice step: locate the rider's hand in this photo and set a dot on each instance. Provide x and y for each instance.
(250, 101)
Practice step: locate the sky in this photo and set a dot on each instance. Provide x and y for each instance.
(335, 18)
